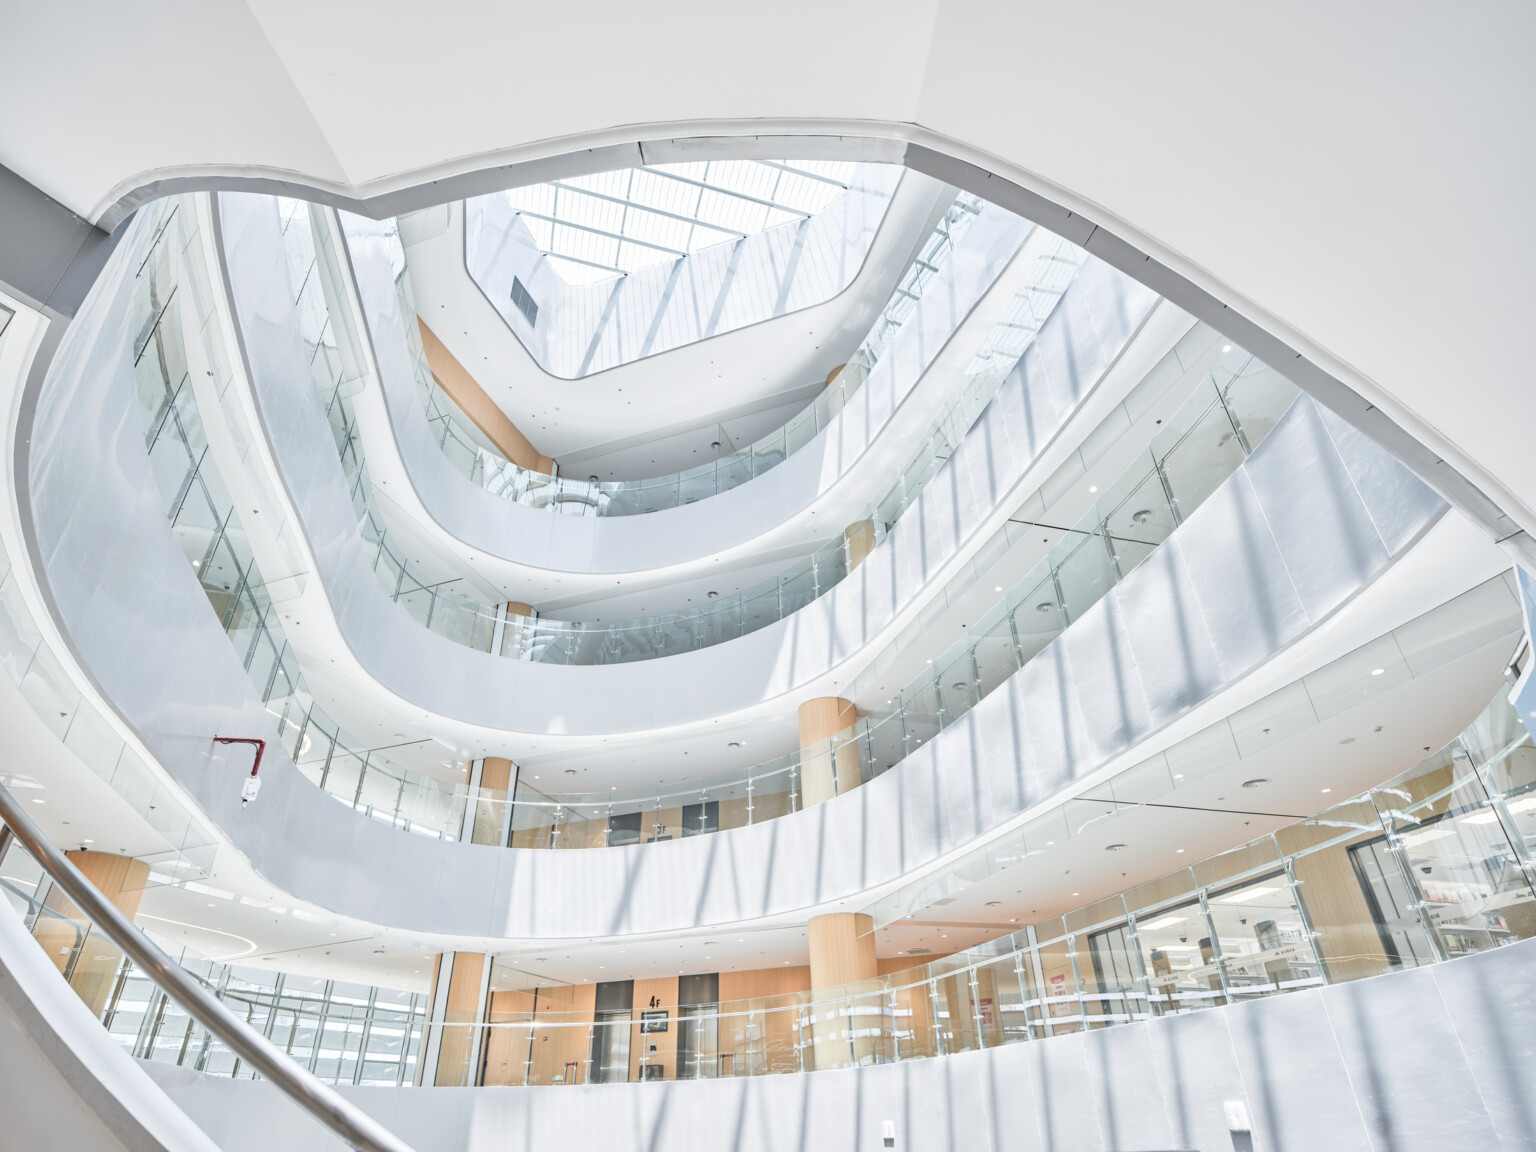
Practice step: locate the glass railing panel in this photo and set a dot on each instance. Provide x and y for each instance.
(1202, 460)
(1458, 866)
(1263, 938)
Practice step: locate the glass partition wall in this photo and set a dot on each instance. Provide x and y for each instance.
(1434, 864)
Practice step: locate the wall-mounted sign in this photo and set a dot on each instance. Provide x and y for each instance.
(653, 1021)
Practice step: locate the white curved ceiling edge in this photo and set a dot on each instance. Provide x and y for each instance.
(1312, 196)
(1416, 439)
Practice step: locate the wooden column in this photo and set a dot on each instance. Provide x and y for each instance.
(860, 539)
(501, 644)
(842, 949)
(491, 801)
(79, 949)
(836, 401)
(842, 953)
(462, 388)
(829, 754)
(458, 1049)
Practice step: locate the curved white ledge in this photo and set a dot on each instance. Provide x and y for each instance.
(1335, 1067)
(845, 467)
(1306, 523)
(977, 488)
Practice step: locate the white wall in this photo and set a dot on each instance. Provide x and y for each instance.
(1419, 1061)
(1356, 178)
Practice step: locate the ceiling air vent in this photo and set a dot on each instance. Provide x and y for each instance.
(524, 302)
(919, 951)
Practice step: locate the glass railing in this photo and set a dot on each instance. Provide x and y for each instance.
(342, 1033)
(173, 305)
(312, 241)
(1241, 403)
(482, 465)
(1225, 419)
(1434, 864)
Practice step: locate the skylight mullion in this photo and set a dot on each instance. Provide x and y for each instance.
(740, 195)
(628, 204)
(604, 232)
(802, 172)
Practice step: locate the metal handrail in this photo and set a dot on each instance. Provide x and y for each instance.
(352, 1124)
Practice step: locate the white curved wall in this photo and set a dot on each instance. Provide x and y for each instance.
(842, 470)
(1319, 513)
(1418, 1061)
(991, 470)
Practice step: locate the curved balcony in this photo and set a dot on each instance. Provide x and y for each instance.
(1361, 936)
(975, 487)
(1322, 513)
(859, 432)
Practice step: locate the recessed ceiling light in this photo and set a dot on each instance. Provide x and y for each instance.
(1226, 347)
(993, 903)
(38, 800)
(1347, 740)
(1093, 487)
(1256, 782)
(999, 588)
(1377, 671)
(1113, 847)
(1327, 789)
(734, 744)
(1178, 849)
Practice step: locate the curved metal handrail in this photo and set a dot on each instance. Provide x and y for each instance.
(351, 1123)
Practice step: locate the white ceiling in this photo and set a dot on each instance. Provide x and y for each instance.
(1355, 177)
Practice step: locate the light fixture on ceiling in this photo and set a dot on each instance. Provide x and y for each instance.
(993, 903)
(1113, 847)
(1347, 740)
(1377, 671)
(1256, 782)
(734, 744)
(712, 595)
(1045, 606)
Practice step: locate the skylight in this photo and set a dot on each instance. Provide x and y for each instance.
(613, 223)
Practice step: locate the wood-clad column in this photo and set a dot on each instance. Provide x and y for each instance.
(838, 399)
(458, 992)
(859, 538)
(492, 800)
(842, 953)
(842, 949)
(507, 638)
(829, 752)
(79, 949)
(463, 389)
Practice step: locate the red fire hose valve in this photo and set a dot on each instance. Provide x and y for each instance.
(253, 784)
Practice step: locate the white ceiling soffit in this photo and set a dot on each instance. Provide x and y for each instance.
(1364, 207)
